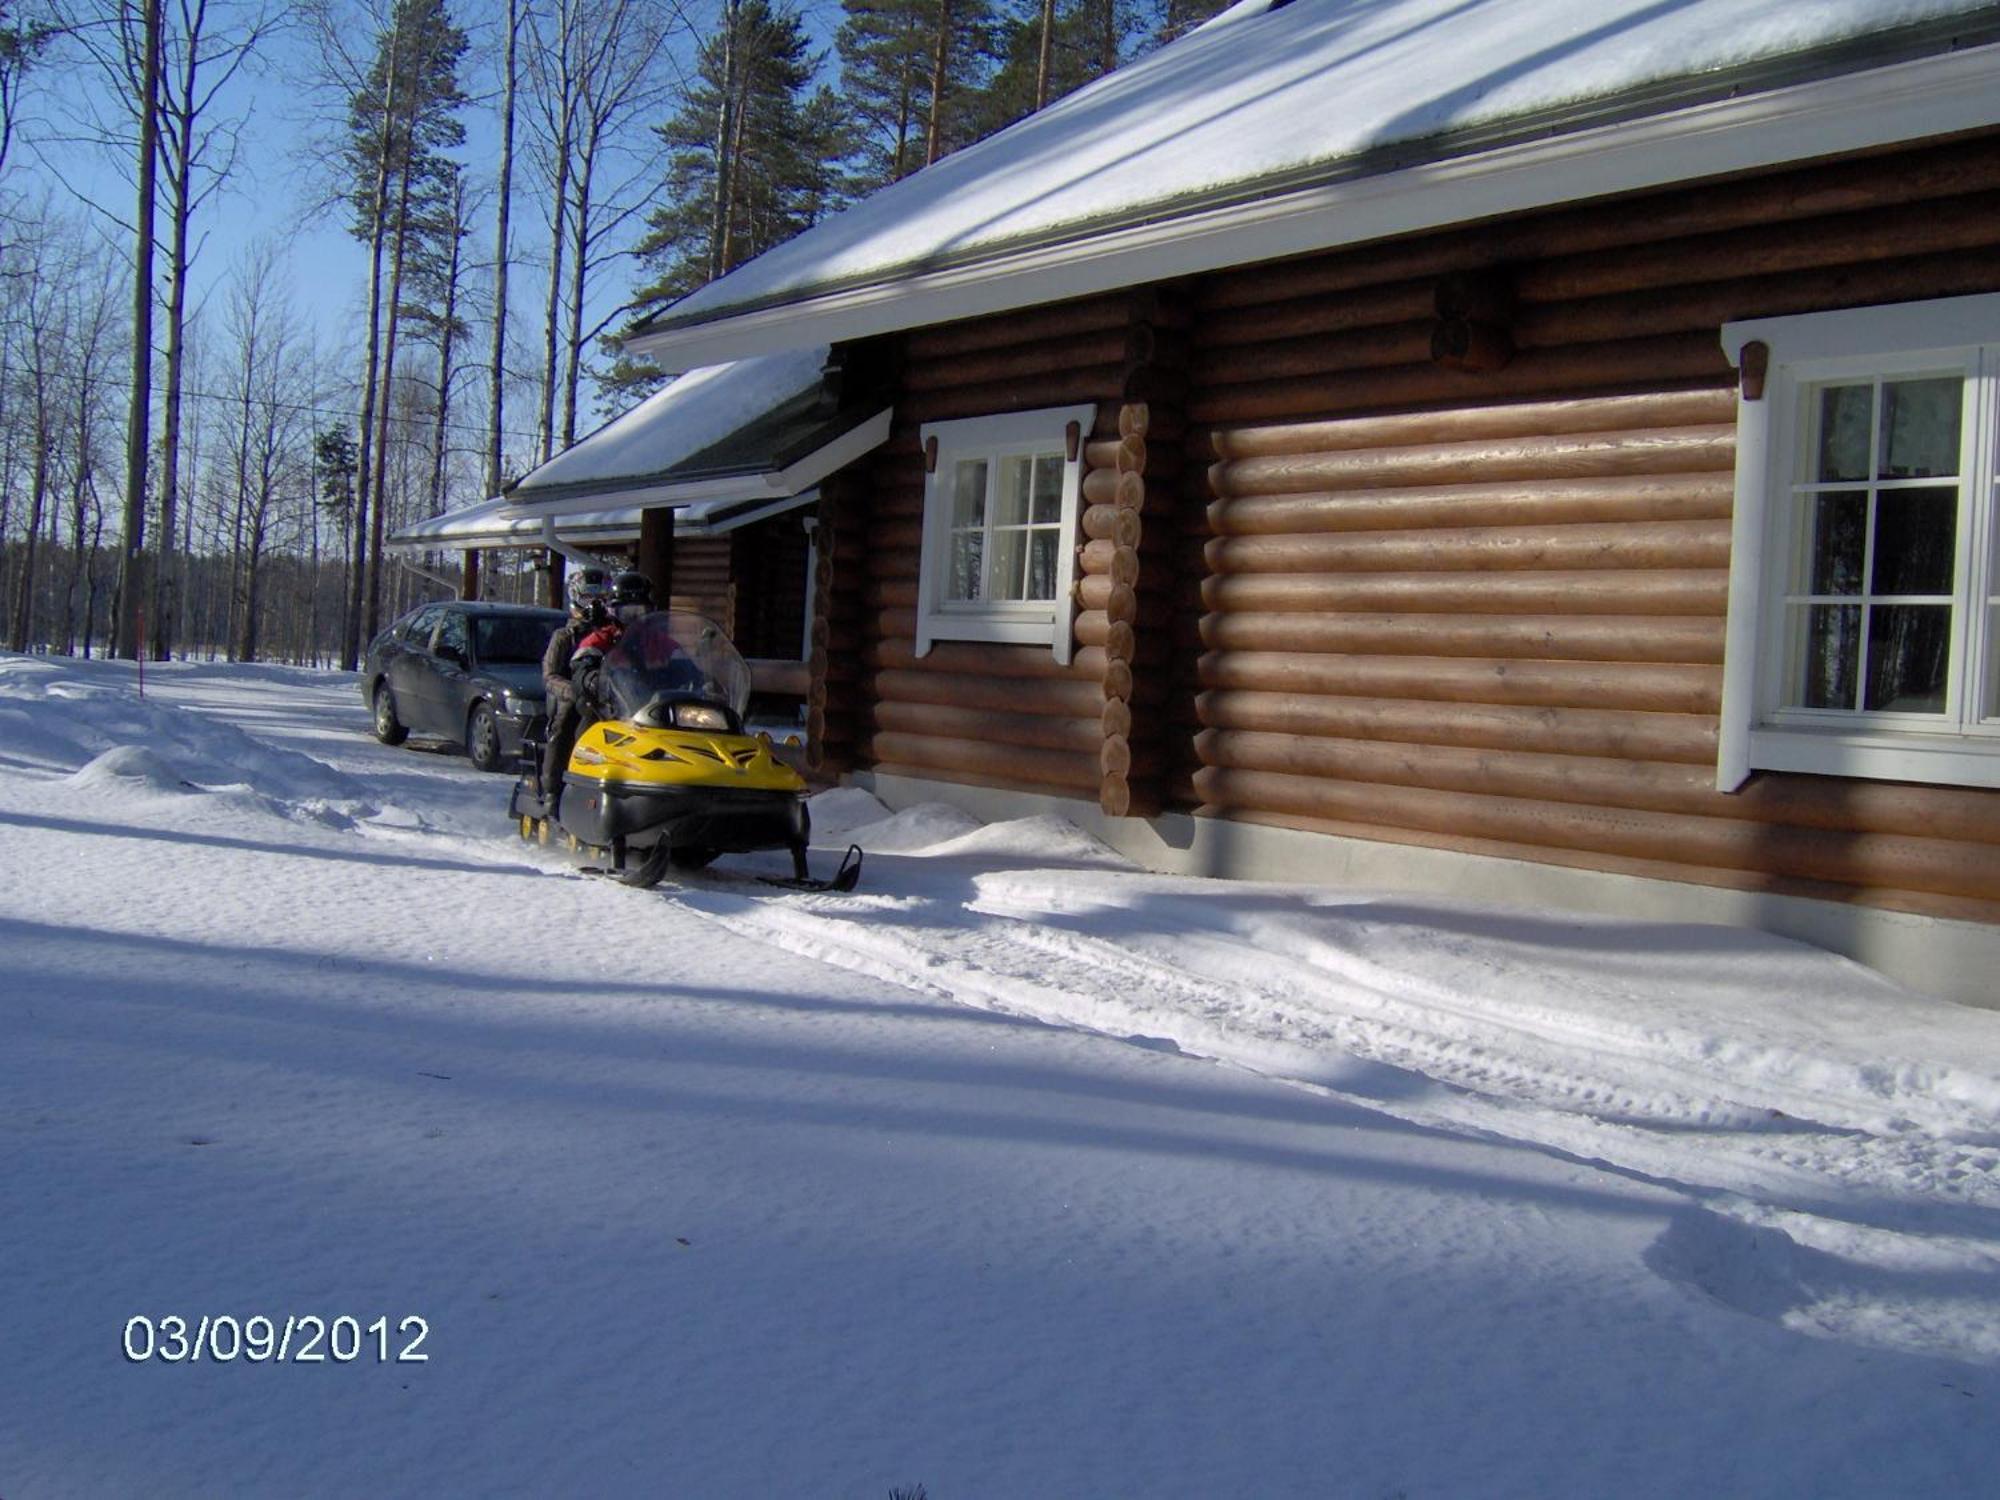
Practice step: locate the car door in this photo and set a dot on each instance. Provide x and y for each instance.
(412, 671)
(451, 674)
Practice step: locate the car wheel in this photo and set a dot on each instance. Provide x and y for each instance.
(389, 729)
(482, 738)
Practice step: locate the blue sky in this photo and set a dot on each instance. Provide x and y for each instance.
(275, 194)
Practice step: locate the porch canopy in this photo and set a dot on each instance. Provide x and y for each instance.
(723, 446)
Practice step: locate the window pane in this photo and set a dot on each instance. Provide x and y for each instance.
(1048, 489)
(1907, 649)
(1832, 648)
(1839, 535)
(1041, 564)
(1010, 502)
(1991, 708)
(969, 493)
(1844, 411)
(1003, 577)
(1920, 428)
(965, 552)
(1914, 531)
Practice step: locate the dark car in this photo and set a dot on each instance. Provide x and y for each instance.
(461, 671)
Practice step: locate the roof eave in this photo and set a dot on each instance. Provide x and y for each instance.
(1851, 111)
(776, 484)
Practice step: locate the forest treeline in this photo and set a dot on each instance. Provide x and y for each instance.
(190, 464)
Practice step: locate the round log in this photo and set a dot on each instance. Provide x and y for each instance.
(1108, 559)
(1073, 698)
(1951, 908)
(1658, 359)
(1057, 768)
(1463, 344)
(1528, 419)
(1115, 758)
(792, 678)
(1116, 487)
(1683, 738)
(1643, 544)
(998, 727)
(1059, 388)
(1120, 455)
(1019, 361)
(1095, 628)
(1118, 682)
(1113, 523)
(1533, 637)
(1659, 591)
(1815, 802)
(1053, 322)
(1116, 720)
(1815, 854)
(898, 592)
(980, 659)
(1645, 451)
(1318, 315)
(1709, 304)
(1114, 796)
(902, 535)
(1302, 352)
(1789, 244)
(1133, 419)
(1680, 497)
(1651, 687)
(1100, 592)
(1869, 184)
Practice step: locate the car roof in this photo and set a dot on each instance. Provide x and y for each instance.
(493, 607)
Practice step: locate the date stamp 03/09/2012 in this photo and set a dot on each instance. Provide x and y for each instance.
(297, 1339)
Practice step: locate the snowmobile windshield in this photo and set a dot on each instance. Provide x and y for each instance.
(675, 656)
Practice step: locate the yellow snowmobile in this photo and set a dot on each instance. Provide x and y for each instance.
(668, 778)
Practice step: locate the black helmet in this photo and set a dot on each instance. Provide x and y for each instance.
(588, 588)
(631, 596)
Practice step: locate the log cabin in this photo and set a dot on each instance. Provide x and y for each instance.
(1529, 451)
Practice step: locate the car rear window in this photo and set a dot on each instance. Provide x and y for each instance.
(517, 638)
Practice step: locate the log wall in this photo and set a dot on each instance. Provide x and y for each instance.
(996, 715)
(1422, 542)
(1481, 606)
(701, 580)
(767, 566)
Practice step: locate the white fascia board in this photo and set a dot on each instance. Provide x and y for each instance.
(1851, 112)
(780, 484)
(693, 526)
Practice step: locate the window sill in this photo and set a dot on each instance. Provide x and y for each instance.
(1944, 759)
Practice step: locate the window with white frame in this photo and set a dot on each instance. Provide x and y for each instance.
(1864, 602)
(1001, 497)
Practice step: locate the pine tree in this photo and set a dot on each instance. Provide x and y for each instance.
(751, 162)
(401, 121)
(911, 72)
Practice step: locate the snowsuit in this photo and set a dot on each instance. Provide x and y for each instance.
(559, 693)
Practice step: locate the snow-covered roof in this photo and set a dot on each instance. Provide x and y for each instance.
(690, 415)
(500, 522)
(724, 445)
(1237, 124)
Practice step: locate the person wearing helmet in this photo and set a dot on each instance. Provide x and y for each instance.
(589, 594)
(631, 597)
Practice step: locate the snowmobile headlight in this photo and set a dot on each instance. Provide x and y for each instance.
(700, 716)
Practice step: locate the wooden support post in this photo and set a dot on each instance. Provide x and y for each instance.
(656, 550)
(468, 587)
(555, 595)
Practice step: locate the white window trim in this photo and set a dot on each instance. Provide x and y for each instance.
(1811, 348)
(1037, 622)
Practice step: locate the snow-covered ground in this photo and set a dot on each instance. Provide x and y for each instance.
(1018, 1173)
